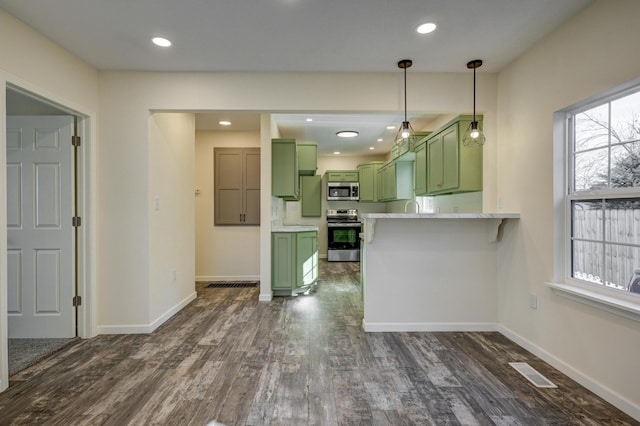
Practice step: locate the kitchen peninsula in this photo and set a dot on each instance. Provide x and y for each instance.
(430, 272)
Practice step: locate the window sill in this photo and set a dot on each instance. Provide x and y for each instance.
(618, 306)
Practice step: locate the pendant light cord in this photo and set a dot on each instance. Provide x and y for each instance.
(474, 94)
(405, 94)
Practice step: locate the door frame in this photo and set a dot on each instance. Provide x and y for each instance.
(86, 208)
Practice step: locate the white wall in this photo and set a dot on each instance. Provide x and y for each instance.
(222, 252)
(171, 214)
(431, 275)
(126, 99)
(592, 53)
(32, 62)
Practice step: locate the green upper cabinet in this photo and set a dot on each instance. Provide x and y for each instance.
(395, 181)
(342, 175)
(367, 177)
(284, 169)
(450, 166)
(307, 158)
(311, 195)
(421, 168)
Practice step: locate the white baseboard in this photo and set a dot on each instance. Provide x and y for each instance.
(147, 328)
(432, 327)
(602, 391)
(228, 278)
(265, 297)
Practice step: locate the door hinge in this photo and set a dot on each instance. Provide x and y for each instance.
(76, 141)
(77, 301)
(76, 221)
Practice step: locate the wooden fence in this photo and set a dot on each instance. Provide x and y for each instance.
(613, 262)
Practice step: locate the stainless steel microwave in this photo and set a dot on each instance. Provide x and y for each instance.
(343, 191)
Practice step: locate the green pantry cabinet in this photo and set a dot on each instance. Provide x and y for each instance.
(443, 165)
(294, 262)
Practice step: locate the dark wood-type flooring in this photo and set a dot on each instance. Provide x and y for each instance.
(294, 361)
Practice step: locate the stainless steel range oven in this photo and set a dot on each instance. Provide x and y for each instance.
(343, 235)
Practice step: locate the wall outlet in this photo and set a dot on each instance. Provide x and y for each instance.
(533, 301)
(500, 203)
(174, 275)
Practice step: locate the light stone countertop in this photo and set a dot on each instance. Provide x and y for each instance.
(440, 216)
(370, 219)
(294, 228)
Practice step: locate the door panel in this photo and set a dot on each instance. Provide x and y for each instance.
(41, 252)
(14, 281)
(14, 202)
(47, 196)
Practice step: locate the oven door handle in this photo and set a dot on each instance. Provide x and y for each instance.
(344, 225)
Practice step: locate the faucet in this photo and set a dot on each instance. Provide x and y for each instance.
(412, 201)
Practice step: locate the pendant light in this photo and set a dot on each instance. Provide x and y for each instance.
(474, 136)
(405, 132)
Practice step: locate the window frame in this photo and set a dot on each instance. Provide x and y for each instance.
(613, 300)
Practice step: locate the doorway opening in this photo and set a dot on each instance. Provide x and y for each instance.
(44, 202)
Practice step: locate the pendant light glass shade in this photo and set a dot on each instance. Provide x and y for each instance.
(405, 132)
(474, 135)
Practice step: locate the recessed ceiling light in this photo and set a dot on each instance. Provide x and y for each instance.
(391, 127)
(224, 123)
(379, 139)
(309, 119)
(371, 148)
(336, 152)
(347, 133)
(161, 41)
(427, 28)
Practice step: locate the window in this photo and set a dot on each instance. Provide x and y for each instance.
(603, 200)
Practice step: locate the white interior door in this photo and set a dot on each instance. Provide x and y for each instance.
(40, 255)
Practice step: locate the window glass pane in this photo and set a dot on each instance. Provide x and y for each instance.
(621, 263)
(625, 118)
(587, 261)
(625, 165)
(587, 220)
(591, 170)
(592, 128)
(622, 221)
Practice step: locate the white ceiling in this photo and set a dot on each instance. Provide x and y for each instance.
(296, 35)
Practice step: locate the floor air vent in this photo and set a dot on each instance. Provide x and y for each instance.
(532, 375)
(232, 284)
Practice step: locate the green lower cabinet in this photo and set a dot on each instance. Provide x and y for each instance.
(294, 262)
